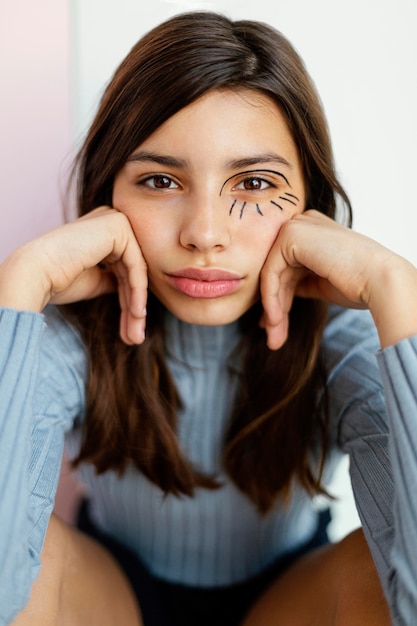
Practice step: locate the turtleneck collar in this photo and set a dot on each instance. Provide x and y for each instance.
(196, 345)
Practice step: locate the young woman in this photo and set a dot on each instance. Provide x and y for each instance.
(208, 174)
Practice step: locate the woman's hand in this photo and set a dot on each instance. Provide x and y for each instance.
(315, 257)
(95, 254)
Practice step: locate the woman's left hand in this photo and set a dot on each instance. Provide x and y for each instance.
(315, 257)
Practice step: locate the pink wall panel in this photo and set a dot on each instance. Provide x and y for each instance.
(35, 138)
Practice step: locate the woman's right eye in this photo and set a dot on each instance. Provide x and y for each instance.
(158, 181)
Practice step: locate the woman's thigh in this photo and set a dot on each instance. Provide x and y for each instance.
(80, 584)
(336, 585)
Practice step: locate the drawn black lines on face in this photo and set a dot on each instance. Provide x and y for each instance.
(256, 175)
(243, 207)
(292, 199)
(258, 184)
(279, 205)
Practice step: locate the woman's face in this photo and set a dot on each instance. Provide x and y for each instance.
(206, 196)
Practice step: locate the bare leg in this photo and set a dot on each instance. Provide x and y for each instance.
(80, 584)
(334, 586)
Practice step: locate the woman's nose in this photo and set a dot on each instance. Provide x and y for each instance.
(205, 225)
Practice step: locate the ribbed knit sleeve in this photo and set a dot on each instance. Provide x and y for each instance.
(19, 349)
(39, 397)
(398, 366)
(373, 411)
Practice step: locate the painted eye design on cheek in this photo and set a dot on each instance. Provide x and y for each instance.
(258, 183)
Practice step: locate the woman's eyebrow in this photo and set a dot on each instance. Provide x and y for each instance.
(151, 157)
(257, 159)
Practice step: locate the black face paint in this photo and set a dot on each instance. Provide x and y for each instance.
(276, 204)
(291, 195)
(243, 207)
(288, 200)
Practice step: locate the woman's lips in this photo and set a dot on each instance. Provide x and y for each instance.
(207, 283)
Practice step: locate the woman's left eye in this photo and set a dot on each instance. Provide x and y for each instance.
(159, 181)
(254, 183)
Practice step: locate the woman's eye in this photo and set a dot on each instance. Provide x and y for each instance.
(159, 182)
(253, 183)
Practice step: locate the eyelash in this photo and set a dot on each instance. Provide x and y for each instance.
(265, 184)
(146, 182)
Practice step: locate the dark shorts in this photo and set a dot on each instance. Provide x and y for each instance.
(168, 604)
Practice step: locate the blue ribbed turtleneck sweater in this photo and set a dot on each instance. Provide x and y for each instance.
(216, 537)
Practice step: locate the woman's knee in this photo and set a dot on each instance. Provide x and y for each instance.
(337, 585)
(359, 590)
(44, 603)
(79, 584)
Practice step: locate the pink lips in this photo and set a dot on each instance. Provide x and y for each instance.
(204, 283)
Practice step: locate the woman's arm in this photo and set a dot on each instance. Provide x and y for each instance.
(42, 373)
(375, 421)
(398, 366)
(373, 407)
(41, 392)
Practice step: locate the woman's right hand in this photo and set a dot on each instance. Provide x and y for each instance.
(315, 257)
(62, 266)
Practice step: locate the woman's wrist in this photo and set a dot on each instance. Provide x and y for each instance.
(22, 284)
(393, 300)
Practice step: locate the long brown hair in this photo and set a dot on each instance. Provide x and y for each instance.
(276, 433)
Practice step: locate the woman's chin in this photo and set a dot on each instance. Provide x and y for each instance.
(207, 312)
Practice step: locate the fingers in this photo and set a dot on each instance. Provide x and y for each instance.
(278, 286)
(276, 334)
(128, 267)
(132, 283)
